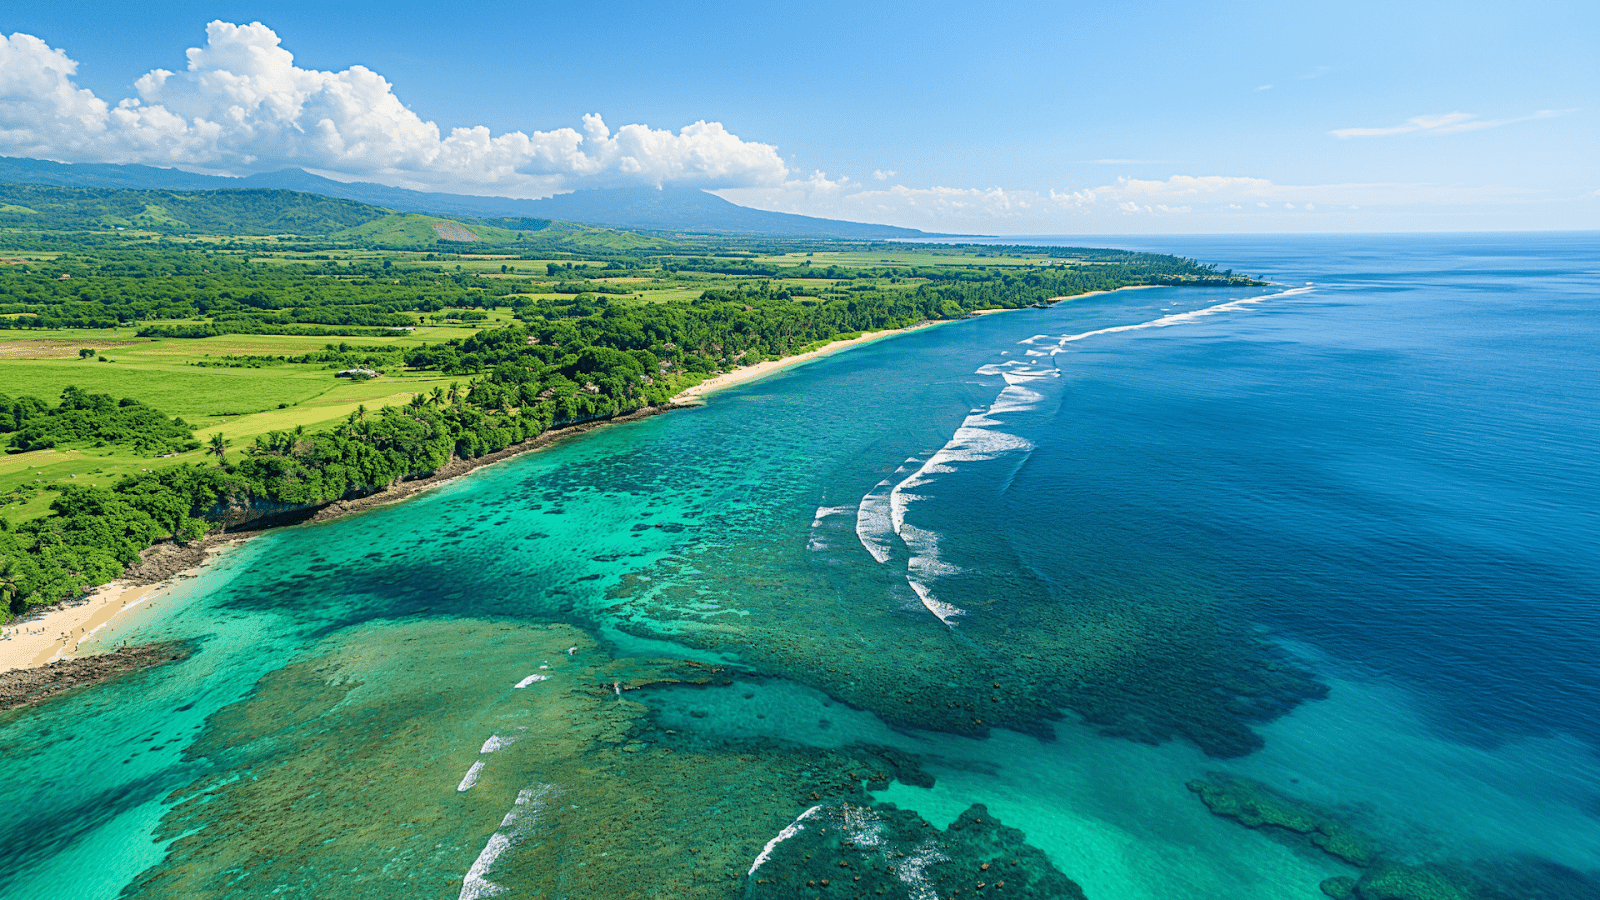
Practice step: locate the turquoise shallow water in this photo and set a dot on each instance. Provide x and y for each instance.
(1337, 535)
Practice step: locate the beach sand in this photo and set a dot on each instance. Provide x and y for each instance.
(762, 369)
(57, 633)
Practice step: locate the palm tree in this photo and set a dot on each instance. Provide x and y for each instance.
(218, 448)
(10, 582)
(455, 391)
(438, 396)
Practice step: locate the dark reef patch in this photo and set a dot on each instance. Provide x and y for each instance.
(1384, 874)
(1254, 805)
(850, 851)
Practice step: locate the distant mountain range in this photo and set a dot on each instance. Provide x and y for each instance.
(674, 209)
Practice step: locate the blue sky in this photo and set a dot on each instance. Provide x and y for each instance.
(1004, 118)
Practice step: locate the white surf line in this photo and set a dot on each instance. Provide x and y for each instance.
(913, 869)
(923, 567)
(815, 542)
(825, 511)
(523, 816)
(1174, 319)
(535, 677)
(471, 778)
(789, 831)
(873, 521)
(975, 440)
(495, 742)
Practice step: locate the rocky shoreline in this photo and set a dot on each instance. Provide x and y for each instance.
(23, 687)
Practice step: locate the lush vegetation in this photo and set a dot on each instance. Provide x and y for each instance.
(476, 351)
(95, 420)
(209, 212)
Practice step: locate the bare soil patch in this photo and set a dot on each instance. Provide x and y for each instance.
(54, 349)
(450, 231)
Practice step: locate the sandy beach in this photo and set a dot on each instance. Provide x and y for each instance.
(762, 369)
(57, 633)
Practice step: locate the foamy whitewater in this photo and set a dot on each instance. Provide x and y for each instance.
(518, 822)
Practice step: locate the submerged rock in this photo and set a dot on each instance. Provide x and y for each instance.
(1341, 887)
(1255, 805)
(1389, 880)
(21, 687)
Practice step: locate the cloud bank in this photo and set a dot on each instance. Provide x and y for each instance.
(1176, 203)
(242, 105)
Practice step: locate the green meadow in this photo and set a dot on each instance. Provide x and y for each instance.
(238, 403)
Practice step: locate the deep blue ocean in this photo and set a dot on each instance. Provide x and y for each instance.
(1339, 535)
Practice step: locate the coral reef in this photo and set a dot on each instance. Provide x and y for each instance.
(859, 851)
(463, 758)
(1254, 805)
(1390, 880)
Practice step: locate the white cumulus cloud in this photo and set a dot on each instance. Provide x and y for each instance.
(242, 105)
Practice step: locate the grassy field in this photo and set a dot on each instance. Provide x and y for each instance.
(239, 403)
(413, 229)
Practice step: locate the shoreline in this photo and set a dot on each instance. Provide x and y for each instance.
(55, 633)
(38, 640)
(695, 395)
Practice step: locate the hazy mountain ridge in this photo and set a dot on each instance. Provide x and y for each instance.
(677, 209)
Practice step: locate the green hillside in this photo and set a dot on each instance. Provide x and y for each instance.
(251, 212)
(413, 231)
(244, 213)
